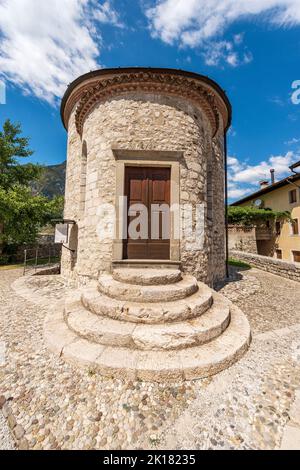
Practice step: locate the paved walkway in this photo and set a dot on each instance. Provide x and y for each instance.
(254, 404)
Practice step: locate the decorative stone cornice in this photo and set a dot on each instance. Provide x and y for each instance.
(92, 91)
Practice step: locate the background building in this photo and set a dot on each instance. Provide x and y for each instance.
(282, 240)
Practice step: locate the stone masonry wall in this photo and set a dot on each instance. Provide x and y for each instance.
(72, 195)
(142, 122)
(242, 238)
(272, 265)
(217, 262)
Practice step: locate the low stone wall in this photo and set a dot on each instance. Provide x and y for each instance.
(272, 265)
(48, 271)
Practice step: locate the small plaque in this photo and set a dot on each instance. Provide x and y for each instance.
(61, 233)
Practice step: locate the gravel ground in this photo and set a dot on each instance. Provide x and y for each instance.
(6, 441)
(247, 406)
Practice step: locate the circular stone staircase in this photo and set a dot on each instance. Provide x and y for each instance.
(149, 324)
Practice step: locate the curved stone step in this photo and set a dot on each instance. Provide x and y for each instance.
(104, 330)
(179, 335)
(161, 366)
(147, 277)
(138, 293)
(136, 312)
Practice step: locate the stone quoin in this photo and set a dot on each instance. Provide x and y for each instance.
(144, 308)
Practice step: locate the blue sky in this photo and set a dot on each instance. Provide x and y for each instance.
(251, 48)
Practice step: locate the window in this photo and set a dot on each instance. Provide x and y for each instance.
(279, 254)
(295, 227)
(296, 256)
(278, 228)
(293, 196)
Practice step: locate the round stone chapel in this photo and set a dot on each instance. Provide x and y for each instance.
(145, 212)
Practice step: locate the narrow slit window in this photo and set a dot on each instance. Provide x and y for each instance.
(295, 227)
(293, 196)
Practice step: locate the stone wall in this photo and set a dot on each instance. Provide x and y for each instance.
(142, 121)
(242, 238)
(217, 259)
(72, 194)
(272, 265)
(44, 244)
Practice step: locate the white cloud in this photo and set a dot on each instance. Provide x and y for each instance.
(106, 14)
(232, 132)
(244, 178)
(46, 44)
(195, 23)
(238, 38)
(247, 57)
(236, 193)
(277, 100)
(232, 59)
(253, 173)
(216, 51)
(292, 141)
(233, 164)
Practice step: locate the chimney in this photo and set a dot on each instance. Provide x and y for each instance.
(272, 171)
(264, 184)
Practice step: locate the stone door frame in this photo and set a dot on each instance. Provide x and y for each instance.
(146, 158)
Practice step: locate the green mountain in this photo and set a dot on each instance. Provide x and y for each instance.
(52, 181)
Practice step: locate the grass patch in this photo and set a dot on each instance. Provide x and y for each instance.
(31, 263)
(43, 261)
(8, 267)
(238, 264)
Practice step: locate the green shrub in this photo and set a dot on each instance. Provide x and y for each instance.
(250, 215)
(4, 259)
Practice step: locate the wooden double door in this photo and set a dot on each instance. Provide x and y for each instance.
(148, 213)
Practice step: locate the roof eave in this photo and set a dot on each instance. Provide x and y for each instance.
(101, 72)
(267, 190)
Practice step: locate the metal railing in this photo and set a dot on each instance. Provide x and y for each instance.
(35, 259)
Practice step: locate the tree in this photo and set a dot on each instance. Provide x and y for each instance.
(12, 148)
(22, 214)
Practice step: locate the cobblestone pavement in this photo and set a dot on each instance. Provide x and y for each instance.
(270, 302)
(247, 406)
(61, 407)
